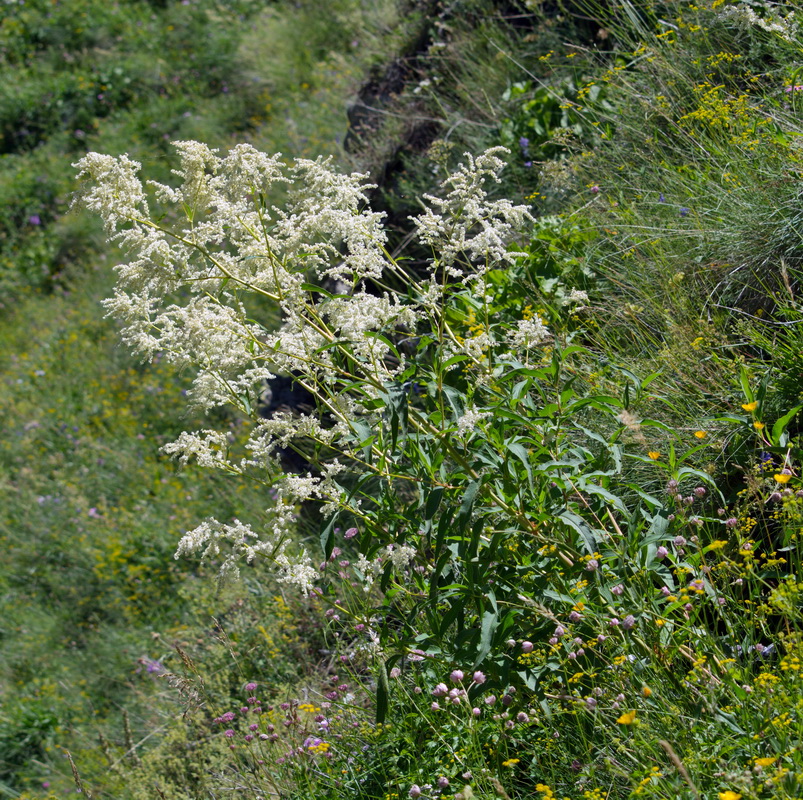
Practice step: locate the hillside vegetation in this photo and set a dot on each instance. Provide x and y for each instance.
(529, 523)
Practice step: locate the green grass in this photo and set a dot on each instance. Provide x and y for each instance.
(91, 509)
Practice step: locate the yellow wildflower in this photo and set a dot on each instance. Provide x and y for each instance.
(781, 478)
(729, 795)
(750, 406)
(700, 434)
(654, 455)
(764, 762)
(759, 426)
(628, 718)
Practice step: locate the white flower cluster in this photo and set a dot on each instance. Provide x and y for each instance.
(530, 333)
(185, 294)
(785, 26)
(576, 297)
(242, 542)
(466, 222)
(470, 419)
(399, 555)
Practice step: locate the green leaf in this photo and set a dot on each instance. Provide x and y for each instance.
(457, 608)
(382, 693)
(384, 339)
(599, 491)
(433, 502)
(395, 397)
(464, 514)
(490, 621)
(520, 451)
(744, 379)
(780, 425)
(451, 362)
(729, 721)
(576, 522)
(327, 539)
(314, 288)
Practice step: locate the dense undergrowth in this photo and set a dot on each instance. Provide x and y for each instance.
(565, 554)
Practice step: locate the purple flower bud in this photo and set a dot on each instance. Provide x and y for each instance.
(490, 699)
(574, 616)
(443, 783)
(618, 590)
(249, 687)
(476, 712)
(553, 640)
(613, 622)
(350, 533)
(526, 647)
(456, 675)
(522, 717)
(572, 656)
(679, 541)
(662, 552)
(440, 690)
(415, 791)
(628, 622)
(592, 565)
(560, 631)
(479, 677)
(699, 491)
(435, 706)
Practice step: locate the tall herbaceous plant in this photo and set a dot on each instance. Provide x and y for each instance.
(460, 462)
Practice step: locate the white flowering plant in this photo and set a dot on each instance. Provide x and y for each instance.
(467, 470)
